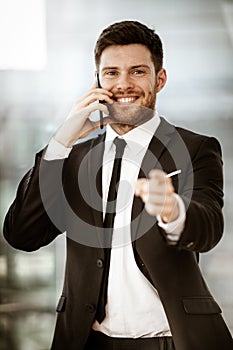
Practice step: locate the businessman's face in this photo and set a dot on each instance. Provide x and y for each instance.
(129, 73)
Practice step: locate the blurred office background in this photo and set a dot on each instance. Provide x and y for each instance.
(46, 62)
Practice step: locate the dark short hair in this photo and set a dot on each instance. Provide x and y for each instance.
(130, 32)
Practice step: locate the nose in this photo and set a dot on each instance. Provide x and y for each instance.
(124, 82)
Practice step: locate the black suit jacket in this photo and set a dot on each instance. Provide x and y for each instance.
(70, 191)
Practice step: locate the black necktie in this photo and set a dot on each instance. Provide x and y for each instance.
(108, 224)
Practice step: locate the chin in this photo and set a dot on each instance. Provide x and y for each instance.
(130, 113)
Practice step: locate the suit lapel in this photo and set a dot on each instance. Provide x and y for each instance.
(94, 177)
(141, 221)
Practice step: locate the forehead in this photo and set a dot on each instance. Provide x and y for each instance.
(125, 55)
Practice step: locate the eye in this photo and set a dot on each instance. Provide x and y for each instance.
(138, 72)
(111, 73)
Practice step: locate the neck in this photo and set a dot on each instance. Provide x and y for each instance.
(122, 129)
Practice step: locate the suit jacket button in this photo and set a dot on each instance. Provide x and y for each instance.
(189, 244)
(99, 263)
(90, 308)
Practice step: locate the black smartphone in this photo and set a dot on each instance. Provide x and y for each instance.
(100, 112)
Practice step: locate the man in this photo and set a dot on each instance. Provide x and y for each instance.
(132, 277)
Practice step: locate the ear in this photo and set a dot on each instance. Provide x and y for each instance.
(161, 79)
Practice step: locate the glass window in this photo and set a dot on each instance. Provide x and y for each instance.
(23, 34)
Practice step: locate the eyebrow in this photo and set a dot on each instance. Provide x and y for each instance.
(132, 67)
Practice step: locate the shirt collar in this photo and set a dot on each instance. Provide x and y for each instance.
(137, 138)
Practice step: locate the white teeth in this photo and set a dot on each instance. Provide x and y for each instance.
(126, 99)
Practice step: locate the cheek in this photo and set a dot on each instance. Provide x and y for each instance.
(107, 85)
(149, 91)
(149, 87)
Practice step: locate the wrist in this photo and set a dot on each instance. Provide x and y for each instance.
(64, 140)
(174, 215)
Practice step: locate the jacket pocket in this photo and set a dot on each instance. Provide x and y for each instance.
(201, 305)
(61, 304)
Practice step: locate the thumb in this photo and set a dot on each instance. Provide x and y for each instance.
(141, 187)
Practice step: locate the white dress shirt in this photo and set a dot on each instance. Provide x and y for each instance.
(133, 308)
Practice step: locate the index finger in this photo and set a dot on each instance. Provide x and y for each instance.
(100, 89)
(157, 174)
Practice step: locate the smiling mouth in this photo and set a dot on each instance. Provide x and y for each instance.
(126, 99)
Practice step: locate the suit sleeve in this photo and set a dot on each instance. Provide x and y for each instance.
(35, 218)
(204, 219)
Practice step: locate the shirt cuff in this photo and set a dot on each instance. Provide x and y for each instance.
(56, 150)
(174, 229)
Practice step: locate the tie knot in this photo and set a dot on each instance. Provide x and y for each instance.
(120, 146)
